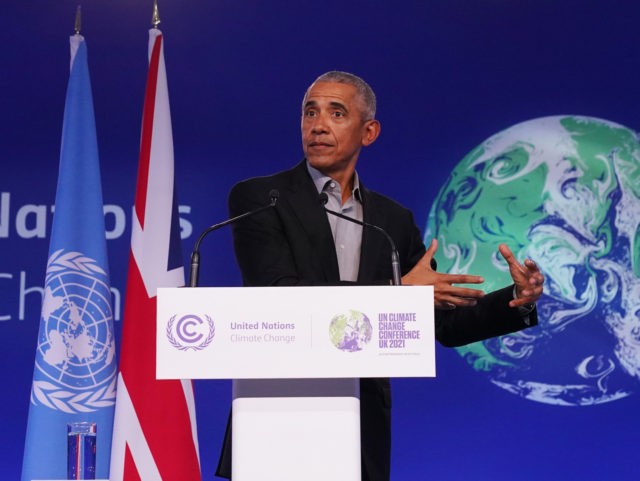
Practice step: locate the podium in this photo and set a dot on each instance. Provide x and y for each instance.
(295, 355)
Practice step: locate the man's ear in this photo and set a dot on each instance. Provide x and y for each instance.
(370, 132)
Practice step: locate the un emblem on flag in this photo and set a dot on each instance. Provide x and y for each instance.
(75, 360)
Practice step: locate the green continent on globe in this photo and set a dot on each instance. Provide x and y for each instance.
(337, 329)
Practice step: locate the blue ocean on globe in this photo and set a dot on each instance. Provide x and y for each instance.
(564, 191)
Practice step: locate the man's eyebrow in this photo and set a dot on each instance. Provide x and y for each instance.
(334, 105)
(338, 105)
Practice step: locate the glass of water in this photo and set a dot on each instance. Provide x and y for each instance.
(81, 450)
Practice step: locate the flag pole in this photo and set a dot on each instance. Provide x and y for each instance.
(155, 17)
(78, 23)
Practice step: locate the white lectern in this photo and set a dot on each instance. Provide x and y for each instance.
(295, 354)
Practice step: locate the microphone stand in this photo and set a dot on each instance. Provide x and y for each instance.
(395, 257)
(194, 271)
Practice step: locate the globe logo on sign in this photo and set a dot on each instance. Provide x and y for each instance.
(190, 332)
(565, 191)
(75, 358)
(350, 332)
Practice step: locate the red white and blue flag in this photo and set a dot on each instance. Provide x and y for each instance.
(154, 433)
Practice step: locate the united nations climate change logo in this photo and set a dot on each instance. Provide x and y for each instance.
(75, 360)
(350, 332)
(190, 332)
(564, 191)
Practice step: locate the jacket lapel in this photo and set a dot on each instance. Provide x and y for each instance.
(302, 198)
(373, 243)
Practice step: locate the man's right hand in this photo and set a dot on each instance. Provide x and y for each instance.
(446, 295)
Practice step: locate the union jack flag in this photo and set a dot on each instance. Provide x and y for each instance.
(154, 433)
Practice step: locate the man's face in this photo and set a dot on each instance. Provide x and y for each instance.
(333, 127)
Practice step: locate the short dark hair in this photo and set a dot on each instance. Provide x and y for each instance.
(364, 90)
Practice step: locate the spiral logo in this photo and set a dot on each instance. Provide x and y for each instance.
(190, 332)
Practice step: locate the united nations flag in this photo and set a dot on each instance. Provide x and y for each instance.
(74, 376)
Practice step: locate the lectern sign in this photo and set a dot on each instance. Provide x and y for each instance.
(296, 332)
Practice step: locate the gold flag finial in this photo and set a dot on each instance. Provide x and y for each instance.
(78, 25)
(155, 18)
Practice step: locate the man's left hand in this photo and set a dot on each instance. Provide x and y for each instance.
(527, 278)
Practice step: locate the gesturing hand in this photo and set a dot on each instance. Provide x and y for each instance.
(527, 278)
(446, 294)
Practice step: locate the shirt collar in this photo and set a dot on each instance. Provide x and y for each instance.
(321, 180)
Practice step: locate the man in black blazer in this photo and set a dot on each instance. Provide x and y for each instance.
(297, 243)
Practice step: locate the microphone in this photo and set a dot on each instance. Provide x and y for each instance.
(195, 255)
(395, 257)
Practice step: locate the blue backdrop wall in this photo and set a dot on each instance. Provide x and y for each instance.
(448, 75)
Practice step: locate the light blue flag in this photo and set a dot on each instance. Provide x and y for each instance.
(74, 376)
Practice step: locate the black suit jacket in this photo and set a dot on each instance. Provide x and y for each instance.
(293, 245)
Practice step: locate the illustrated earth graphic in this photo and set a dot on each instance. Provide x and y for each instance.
(351, 331)
(564, 191)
